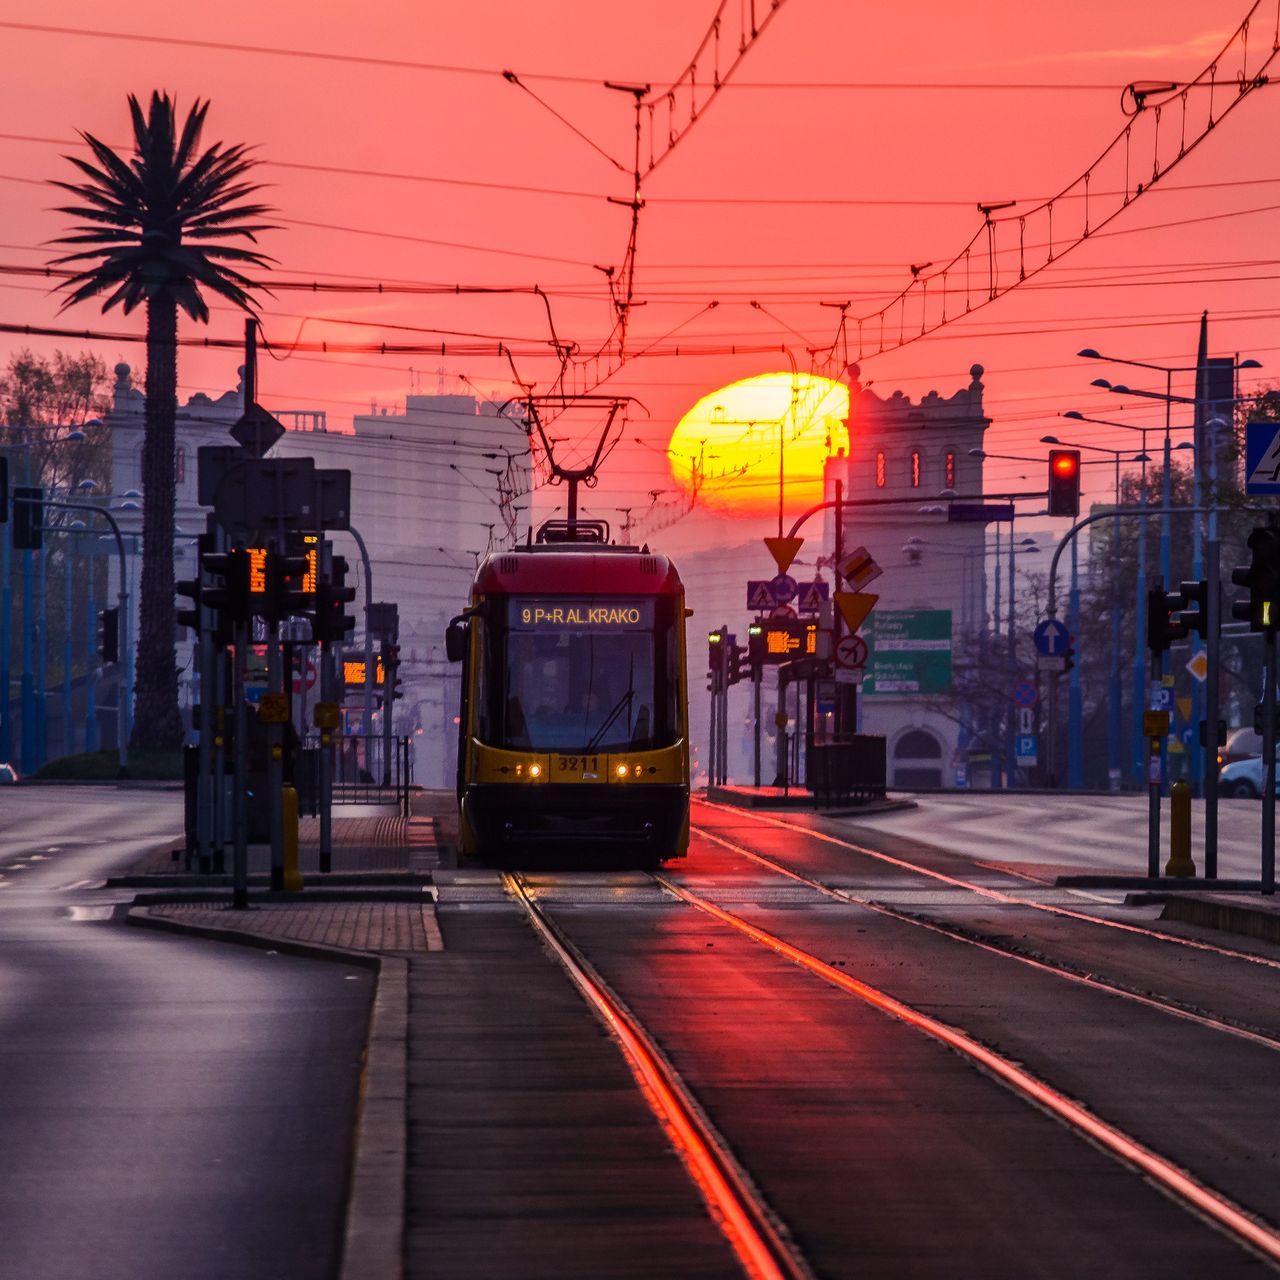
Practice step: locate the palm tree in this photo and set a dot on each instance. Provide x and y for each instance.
(155, 232)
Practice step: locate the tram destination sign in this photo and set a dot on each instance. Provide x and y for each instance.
(551, 613)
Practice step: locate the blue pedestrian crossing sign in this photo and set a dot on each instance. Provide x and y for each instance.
(1051, 637)
(812, 594)
(1262, 457)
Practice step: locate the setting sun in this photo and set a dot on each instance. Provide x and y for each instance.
(726, 447)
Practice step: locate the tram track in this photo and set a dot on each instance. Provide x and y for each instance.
(763, 1248)
(984, 891)
(1257, 1236)
(1041, 964)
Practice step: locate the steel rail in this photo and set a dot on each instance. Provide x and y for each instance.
(1057, 968)
(1178, 1183)
(995, 895)
(762, 1248)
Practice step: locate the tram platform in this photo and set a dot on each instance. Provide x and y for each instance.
(744, 797)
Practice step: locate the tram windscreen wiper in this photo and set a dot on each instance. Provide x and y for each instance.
(623, 702)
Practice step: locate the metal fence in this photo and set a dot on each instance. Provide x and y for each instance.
(851, 768)
(365, 773)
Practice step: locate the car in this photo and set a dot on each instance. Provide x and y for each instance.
(8, 775)
(1244, 779)
(1240, 745)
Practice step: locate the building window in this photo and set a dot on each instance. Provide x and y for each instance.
(951, 471)
(180, 465)
(879, 470)
(915, 468)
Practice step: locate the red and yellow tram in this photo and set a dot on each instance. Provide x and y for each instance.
(574, 715)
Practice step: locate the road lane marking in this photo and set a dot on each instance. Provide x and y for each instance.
(1177, 1182)
(994, 894)
(739, 1212)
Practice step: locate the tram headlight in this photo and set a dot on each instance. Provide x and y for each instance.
(621, 770)
(535, 770)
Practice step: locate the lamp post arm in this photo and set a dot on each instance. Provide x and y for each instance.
(909, 502)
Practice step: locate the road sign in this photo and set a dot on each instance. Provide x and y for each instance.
(783, 551)
(854, 607)
(1161, 698)
(1025, 694)
(783, 611)
(1026, 720)
(256, 431)
(783, 588)
(849, 675)
(1024, 748)
(910, 652)
(758, 594)
(851, 652)
(1262, 457)
(812, 594)
(305, 680)
(327, 715)
(1051, 637)
(1199, 666)
(1155, 724)
(858, 569)
(1051, 666)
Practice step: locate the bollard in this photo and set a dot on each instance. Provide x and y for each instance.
(1180, 863)
(289, 813)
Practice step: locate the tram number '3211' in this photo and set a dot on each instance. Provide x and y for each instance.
(578, 764)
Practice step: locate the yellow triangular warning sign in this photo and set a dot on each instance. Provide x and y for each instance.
(854, 607)
(783, 551)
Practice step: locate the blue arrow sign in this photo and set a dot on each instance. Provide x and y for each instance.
(784, 588)
(1051, 637)
(1262, 457)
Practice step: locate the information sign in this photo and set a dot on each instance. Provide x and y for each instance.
(909, 652)
(1262, 457)
(1025, 748)
(777, 640)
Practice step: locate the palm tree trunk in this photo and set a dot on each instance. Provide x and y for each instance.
(157, 722)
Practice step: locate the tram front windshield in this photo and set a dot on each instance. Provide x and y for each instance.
(586, 674)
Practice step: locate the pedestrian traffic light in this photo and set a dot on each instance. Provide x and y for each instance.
(1064, 482)
(230, 597)
(331, 622)
(1262, 609)
(1163, 628)
(109, 635)
(28, 518)
(286, 592)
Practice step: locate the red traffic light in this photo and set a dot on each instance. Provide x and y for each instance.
(1064, 482)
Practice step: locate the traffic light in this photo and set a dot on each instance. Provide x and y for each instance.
(1187, 618)
(1064, 482)
(230, 598)
(737, 663)
(1262, 609)
(332, 622)
(109, 635)
(286, 592)
(1068, 656)
(28, 518)
(1163, 628)
(715, 659)
(391, 661)
(193, 590)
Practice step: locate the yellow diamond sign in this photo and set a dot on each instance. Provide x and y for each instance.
(1199, 666)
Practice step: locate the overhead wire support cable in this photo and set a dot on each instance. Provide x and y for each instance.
(1133, 162)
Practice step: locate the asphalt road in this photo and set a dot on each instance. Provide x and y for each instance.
(1085, 833)
(167, 1107)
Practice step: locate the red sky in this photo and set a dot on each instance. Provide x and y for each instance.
(748, 206)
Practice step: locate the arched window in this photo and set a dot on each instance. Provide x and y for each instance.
(180, 465)
(951, 470)
(915, 468)
(879, 470)
(918, 744)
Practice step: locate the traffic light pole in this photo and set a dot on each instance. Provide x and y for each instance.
(326, 764)
(1153, 785)
(275, 759)
(240, 855)
(1209, 750)
(1269, 762)
(757, 680)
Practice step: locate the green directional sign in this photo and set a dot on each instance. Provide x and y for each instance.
(909, 652)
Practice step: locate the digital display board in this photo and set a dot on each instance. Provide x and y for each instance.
(776, 640)
(353, 671)
(556, 613)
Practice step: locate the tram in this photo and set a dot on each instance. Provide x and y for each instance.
(573, 728)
